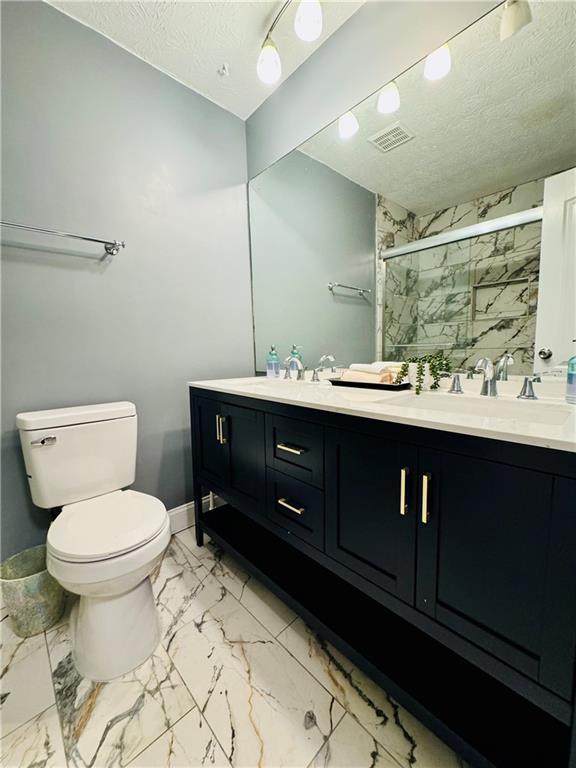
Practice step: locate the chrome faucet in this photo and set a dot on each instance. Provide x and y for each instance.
(456, 385)
(321, 366)
(485, 366)
(295, 362)
(527, 391)
(502, 366)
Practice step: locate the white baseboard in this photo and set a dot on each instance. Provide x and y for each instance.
(182, 517)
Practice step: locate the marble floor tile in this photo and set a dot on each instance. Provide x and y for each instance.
(180, 558)
(180, 594)
(263, 706)
(350, 746)
(188, 744)
(24, 669)
(3, 611)
(406, 739)
(106, 724)
(36, 744)
(266, 607)
(217, 562)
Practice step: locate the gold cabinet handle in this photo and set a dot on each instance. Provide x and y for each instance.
(297, 510)
(403, 476)
(426, 478)
(289, 449)
(218, 428)
(223, 440)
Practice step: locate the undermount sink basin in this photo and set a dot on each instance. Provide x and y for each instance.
(295, 388)
(529, 411)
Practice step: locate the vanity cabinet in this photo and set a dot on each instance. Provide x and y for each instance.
(470, 541)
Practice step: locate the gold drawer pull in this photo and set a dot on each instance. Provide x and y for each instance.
(426, 478)
(403, 476)
(289, 449)
(297, 510)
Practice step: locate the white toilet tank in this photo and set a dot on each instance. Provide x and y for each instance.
(77, 453)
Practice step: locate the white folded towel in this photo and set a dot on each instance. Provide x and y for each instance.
(376, 367)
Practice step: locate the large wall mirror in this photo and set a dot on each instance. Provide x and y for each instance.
(415, 222)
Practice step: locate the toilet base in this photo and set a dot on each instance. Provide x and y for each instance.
(113, 635)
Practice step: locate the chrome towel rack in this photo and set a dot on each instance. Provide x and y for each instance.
(112, 247)
(359, 291)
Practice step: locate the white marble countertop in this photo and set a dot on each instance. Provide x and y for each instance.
(548, 422)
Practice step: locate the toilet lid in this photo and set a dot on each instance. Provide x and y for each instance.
(105, 526)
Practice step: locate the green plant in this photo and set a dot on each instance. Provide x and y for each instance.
(438, 363)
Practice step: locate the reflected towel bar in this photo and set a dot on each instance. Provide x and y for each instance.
(112, 247)
(360, 291)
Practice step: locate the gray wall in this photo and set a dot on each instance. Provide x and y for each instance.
(375, 45)
(95, 141)
(310, 226)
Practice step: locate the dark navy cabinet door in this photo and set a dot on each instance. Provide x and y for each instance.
(371, 508)
(243, 431)
(213, 453)
(490, 542)
(231, 453)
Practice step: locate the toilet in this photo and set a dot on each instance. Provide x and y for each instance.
(106, 541)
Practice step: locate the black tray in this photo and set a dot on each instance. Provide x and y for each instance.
(369, 385)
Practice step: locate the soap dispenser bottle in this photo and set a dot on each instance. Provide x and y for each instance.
(571, 380)
(272, 363)
(295, 355)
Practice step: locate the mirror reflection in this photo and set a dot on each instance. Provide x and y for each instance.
(413, 224)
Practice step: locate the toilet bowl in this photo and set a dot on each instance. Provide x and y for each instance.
(104, 550)
(106, 541)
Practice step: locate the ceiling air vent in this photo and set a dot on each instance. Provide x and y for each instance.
(391, 137)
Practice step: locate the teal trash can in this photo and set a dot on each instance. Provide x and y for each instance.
(33, 599)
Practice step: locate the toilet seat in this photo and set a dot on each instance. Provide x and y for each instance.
(105, 526)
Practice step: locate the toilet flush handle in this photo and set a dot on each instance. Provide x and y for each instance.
(48, 440)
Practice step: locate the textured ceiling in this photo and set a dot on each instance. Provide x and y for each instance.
(505, 114)
(191, 40)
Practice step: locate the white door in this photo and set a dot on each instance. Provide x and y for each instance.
(556, 318)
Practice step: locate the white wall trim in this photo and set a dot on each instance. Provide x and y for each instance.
(182, 517)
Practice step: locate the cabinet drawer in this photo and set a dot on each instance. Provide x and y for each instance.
(296, 448)
(296, 506)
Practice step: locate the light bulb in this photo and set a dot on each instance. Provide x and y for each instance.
(269, 66)
(308, 20)
(438, 64)
(516, 15)
(388, 99)
(347, 125)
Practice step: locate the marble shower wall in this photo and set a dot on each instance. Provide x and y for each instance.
(473, 298)
(394, 226)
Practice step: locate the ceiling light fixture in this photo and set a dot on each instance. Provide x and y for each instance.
(348, 125)
(438, 63)
(388, 99)
(516, 15)
(269, 66)
(308, 20)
